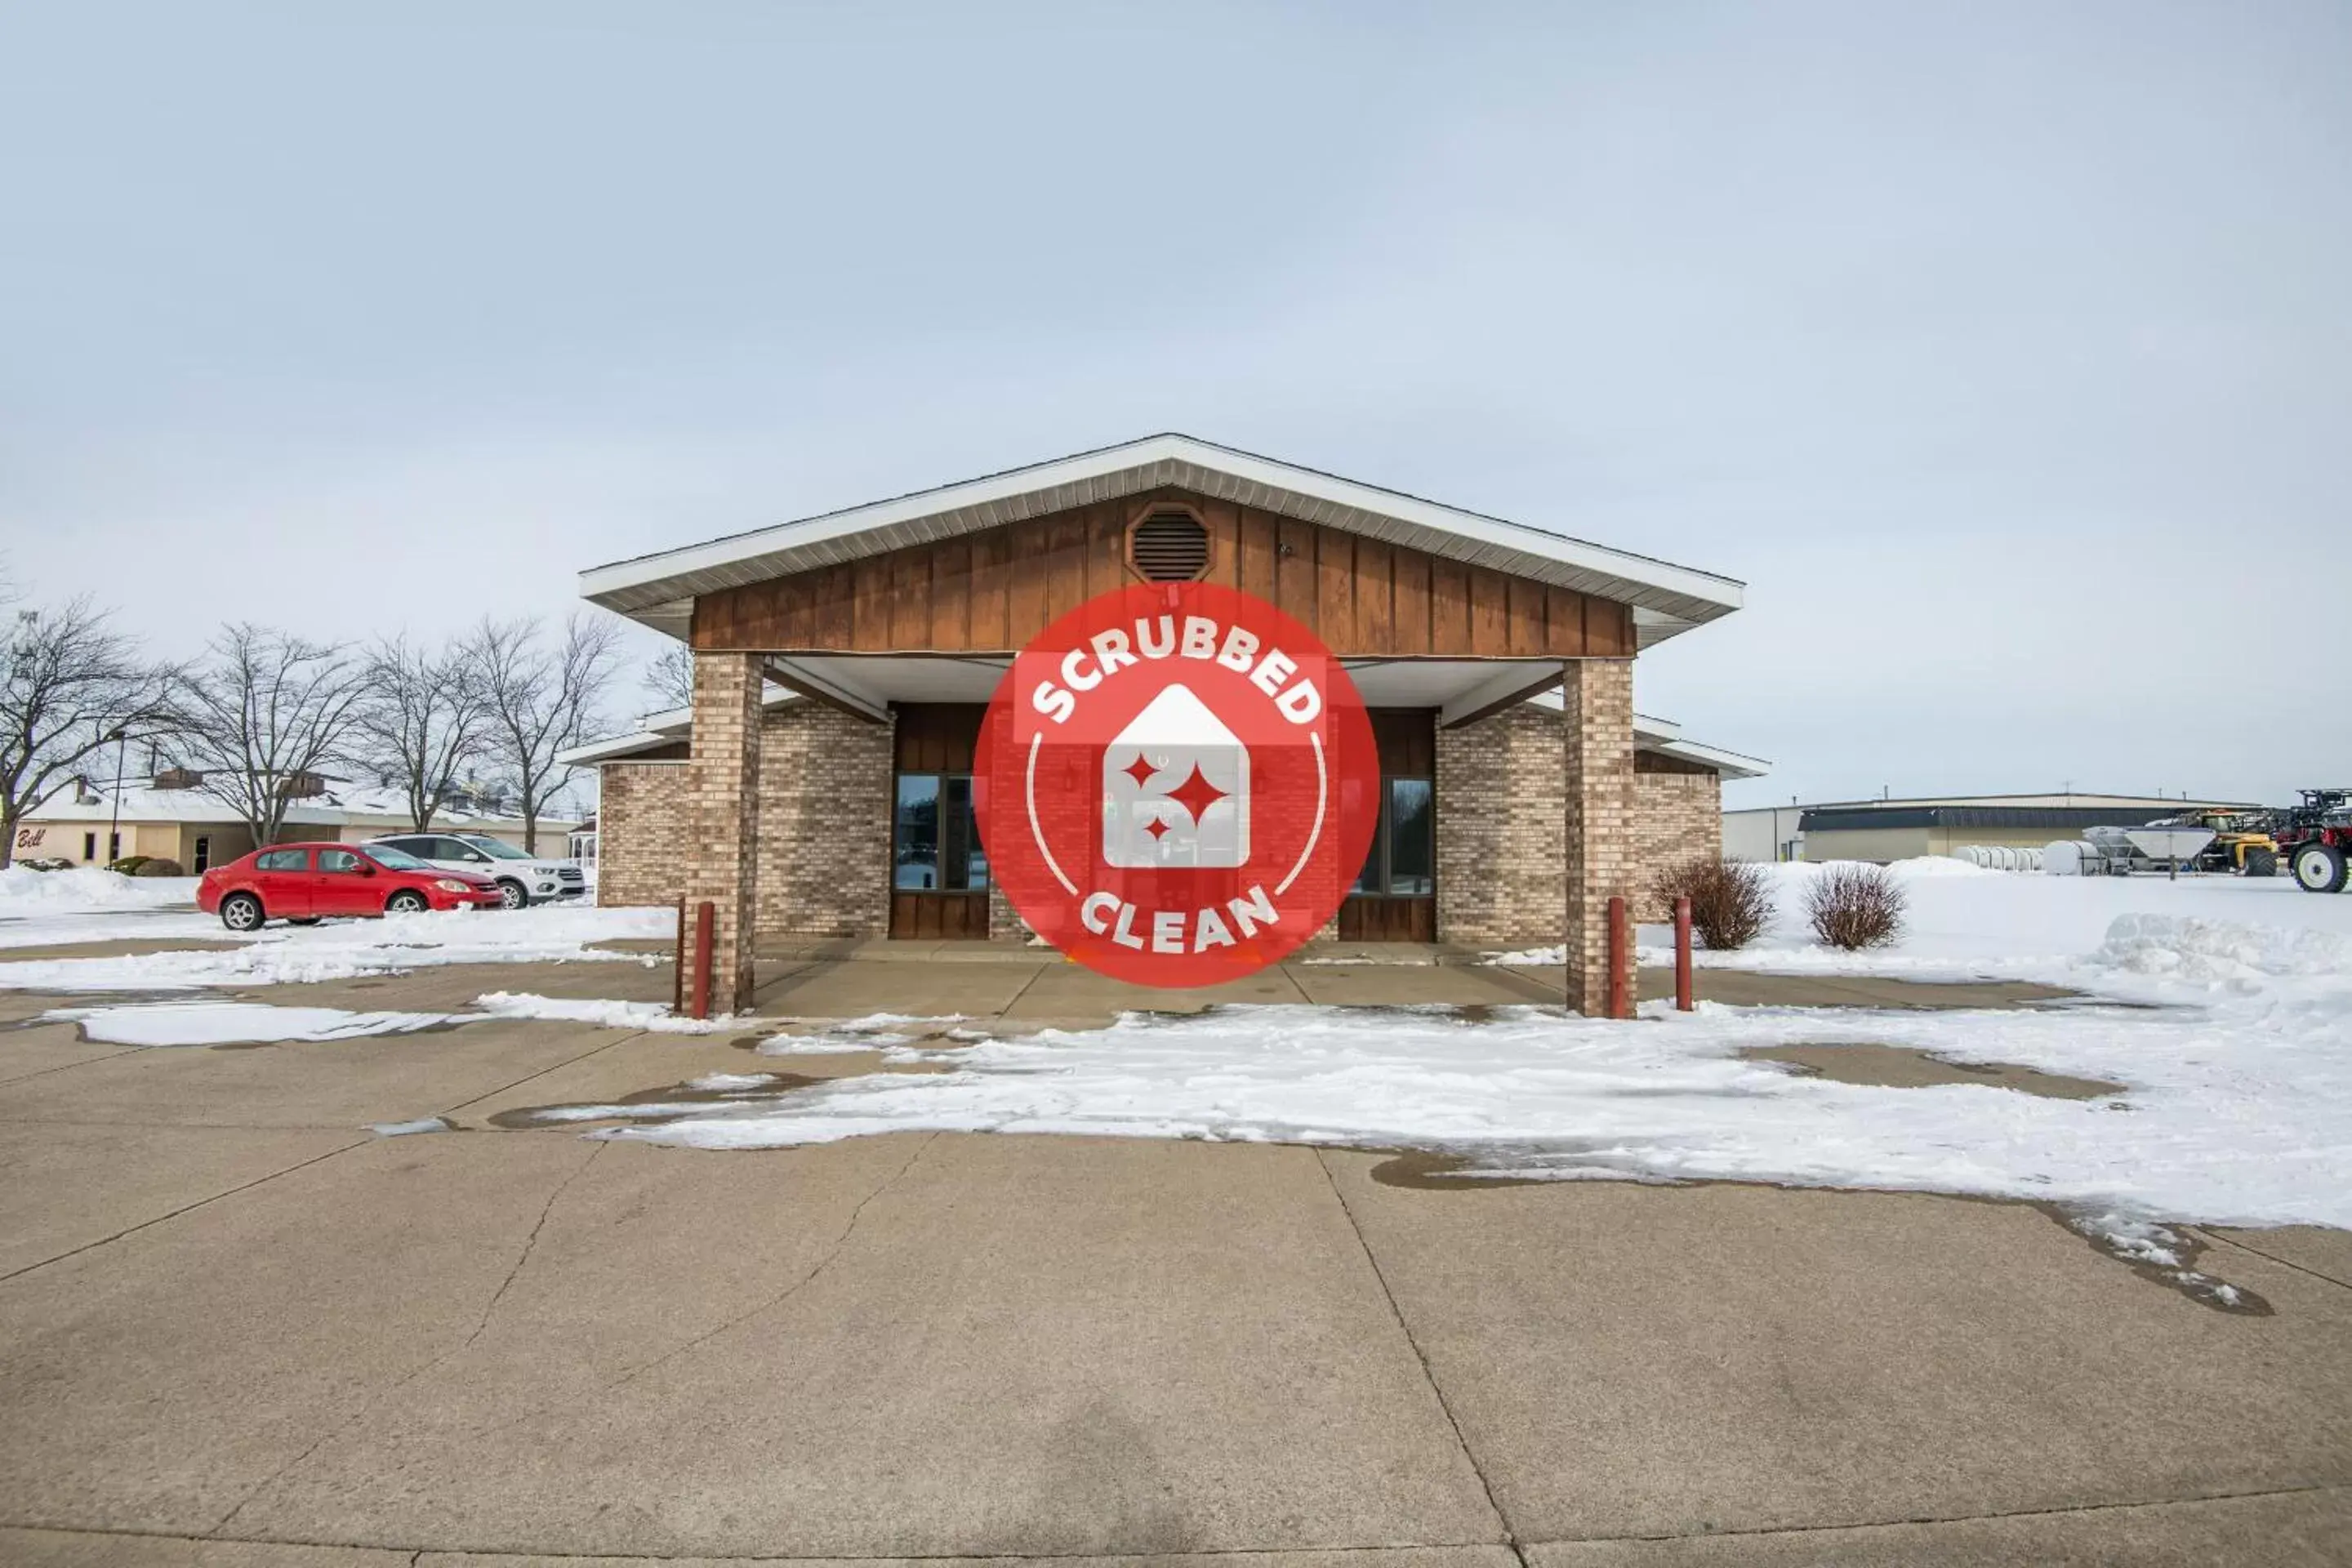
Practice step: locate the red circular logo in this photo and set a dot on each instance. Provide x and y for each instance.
(1176, 783)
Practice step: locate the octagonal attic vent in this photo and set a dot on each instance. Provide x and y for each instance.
(1169, 545)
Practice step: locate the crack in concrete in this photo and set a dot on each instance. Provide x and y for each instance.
(2215, 1236)
(1444, 1406)
(376, 1401)
(541, 1554)
(183, 1208)
(840, 1242)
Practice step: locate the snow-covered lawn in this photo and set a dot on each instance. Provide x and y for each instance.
(2234, 1040)
(340, 950)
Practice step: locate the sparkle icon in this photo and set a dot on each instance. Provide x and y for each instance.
(1202, 821)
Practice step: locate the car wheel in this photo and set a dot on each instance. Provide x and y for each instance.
(408, 901)
(2319, 868)
(513, 896)
(241, 911)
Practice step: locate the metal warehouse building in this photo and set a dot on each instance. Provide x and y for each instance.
(1899, 829)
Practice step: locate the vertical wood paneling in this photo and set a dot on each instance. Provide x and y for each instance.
(1064, 564)
(871, 610)
(1258, 555)
(995, 590)
(1449, 605)
(1375, 590)
(1029, 589)
(1335, 585)
(1107, 549)
(1524, 617)
(990, 625)
(1294, 570)
(1490, 632)
(1564, 616)
(1410, 570)
(910, 597)
(951, 595)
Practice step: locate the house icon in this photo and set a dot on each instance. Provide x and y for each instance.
(1175, 789)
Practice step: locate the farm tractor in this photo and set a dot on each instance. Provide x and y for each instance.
(2316, 839)
(2241, 841)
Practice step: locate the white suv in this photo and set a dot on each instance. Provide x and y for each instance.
(523, 879)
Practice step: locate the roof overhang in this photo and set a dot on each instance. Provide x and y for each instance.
(659, 591)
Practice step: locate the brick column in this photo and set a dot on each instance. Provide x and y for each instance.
(1599, 736)
(722, 820)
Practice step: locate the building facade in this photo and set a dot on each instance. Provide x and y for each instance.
(819, 785)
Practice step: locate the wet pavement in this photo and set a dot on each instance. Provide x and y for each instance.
(238, 1327)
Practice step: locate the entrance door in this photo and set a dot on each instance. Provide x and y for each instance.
(1395, 896)
(939, 872)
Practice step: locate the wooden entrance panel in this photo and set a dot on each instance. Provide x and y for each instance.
(1401, 903)
(939, 874)
(1372, 916)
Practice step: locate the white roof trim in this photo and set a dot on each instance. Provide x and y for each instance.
(659, 590)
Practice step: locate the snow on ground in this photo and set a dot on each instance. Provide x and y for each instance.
(2238, 1082)
(87, 889)
(90, 903)
(1966, 922)
(341, 950)
(234, 1023)
(654, 1016)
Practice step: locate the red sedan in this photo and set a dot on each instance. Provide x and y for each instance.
(307, 882)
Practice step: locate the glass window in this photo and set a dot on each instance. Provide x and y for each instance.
(203, 854)
(339, 860)
(391, 859)
(284, 860)
(1413, 846)
(915, 859)
(937, 835)
(1403, 859)
(496, 848)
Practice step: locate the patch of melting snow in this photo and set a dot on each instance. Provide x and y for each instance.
(408, 1128)
(2163, 1255)
(165, 1024)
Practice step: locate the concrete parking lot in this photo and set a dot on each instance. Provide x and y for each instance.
(237, 1328)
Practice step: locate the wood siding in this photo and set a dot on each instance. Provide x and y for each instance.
(991, 592)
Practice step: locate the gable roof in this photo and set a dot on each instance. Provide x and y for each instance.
(659, 590)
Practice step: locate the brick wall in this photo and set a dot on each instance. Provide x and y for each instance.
(1677, 816)
(641, 833)
(1502, 810)
(1597, 709)
(1500, 823)
(825, 824)
(722, 819)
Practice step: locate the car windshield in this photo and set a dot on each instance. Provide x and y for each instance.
(497, 849)
(393, 860)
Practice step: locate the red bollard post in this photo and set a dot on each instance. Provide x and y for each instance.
(1682, 1002)
(1621, 959)
(705, 918)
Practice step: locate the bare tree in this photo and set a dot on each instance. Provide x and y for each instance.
(262, 713)
(72, 686)
(541, 702)
(670, 679)
(422, 719)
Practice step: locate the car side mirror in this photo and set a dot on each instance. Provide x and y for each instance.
(367, 868)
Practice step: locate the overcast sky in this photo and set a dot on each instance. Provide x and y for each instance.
(2005, 351)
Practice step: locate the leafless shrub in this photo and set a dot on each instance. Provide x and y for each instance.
(1731, 902)
(1854, 906)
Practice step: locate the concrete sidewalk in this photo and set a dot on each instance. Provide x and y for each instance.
(235, 1329)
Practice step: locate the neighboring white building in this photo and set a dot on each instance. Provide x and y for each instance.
(167, 818)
